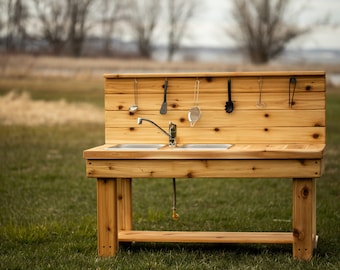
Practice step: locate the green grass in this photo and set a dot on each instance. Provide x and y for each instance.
(48, 207)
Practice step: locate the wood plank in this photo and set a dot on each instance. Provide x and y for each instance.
(313, 206)
(203, 168)
(107, 217)
(214, 85)
(213, 119)
(242, 101)
(124, 195)
(232, 135)
(304, 235)
(206, 237)
(215, 74)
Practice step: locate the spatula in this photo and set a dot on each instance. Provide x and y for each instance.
(229, 105)
(164, 108)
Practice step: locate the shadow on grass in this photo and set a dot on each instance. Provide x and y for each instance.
(235, 249)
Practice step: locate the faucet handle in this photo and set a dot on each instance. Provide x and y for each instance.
(173, 134)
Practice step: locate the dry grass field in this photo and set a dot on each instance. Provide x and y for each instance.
(37, 66)
(20, 109)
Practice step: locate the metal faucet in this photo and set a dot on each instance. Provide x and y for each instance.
(172, 130)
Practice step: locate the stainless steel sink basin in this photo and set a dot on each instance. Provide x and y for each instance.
(205, 146)
(155, 146)
(136, 146)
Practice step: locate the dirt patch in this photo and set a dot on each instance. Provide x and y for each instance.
(20, 109)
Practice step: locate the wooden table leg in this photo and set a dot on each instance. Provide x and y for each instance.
(124, 191)
(107, 217)
(304, 218)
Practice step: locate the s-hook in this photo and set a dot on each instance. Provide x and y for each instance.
(292, 81)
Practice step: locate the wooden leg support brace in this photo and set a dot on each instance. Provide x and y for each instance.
(114, 214)
(304, 218)
(107, 217)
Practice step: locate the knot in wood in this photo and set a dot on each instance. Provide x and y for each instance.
(302, 162)
(304, 192)
(298, 234)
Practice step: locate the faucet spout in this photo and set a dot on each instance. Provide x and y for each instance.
(139, 120)
(172, 130)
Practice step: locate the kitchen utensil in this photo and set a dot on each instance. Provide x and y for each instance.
(229, 105)
(134, 108)
(164, 108)
(259, 103)
(194, 113)
(292, 80)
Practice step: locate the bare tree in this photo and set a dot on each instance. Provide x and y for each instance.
(143, 19)
(54, 18)
(112, 13)
(64, 22)
(17, 17)
(180, 12)
(262, 29)
(79, 11)
(2, 15)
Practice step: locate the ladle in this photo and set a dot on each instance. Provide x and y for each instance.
(134, 108)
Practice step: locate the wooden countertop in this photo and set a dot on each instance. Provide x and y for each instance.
(236, 151)
(214, 74)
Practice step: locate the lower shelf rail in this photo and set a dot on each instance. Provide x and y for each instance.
(206, 237)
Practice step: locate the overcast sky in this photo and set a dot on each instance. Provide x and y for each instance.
(206, 28)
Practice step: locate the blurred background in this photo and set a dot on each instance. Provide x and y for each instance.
(223, 32)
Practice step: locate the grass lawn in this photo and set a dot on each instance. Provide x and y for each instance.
(48, 206)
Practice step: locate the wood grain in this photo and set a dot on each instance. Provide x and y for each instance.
(206, 237)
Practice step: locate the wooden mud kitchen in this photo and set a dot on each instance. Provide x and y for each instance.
(210, 125)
